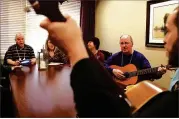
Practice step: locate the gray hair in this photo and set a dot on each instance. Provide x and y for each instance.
(125, 36)
(18, 35)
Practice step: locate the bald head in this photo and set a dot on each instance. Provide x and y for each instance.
(19, 40)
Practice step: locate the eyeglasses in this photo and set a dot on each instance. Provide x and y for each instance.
(126, 43)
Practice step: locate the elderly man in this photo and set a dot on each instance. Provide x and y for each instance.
(19, 52)
(129, 56)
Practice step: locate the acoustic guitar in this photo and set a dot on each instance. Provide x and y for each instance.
(141, 93)
(131, 73)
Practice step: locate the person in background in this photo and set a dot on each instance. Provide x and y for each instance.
(54, 54)
(129, 56)
(95, 93)
(19, 52)
(93, 45)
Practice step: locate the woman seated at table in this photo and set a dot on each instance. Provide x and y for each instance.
(54, 54)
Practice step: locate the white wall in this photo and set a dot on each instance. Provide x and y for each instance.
(114, 18)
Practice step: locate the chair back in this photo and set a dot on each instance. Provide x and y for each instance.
(5, 59)
(106, 54)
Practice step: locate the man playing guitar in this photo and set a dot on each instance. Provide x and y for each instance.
(129, 56)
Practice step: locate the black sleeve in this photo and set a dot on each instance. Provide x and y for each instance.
(95, 92)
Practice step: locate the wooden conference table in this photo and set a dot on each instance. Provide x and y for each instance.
(43, 93)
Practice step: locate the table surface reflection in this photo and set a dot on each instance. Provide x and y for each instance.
(43, 93)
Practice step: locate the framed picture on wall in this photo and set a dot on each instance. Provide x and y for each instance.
(157, 12)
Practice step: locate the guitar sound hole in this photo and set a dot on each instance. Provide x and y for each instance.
(126, 74)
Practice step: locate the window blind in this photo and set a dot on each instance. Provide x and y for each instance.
(12, 21)
(72, 8)
(35, 35)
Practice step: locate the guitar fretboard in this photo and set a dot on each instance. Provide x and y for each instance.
(143, 72)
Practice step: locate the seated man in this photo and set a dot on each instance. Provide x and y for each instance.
(129, 56)
(20, 51)
(93, 46)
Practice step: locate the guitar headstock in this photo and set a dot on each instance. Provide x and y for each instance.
(48, 8)
(169, 67)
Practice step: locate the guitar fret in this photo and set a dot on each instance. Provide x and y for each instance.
(144, 71)
(133, 73)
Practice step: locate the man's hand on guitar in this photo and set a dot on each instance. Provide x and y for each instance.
(162, 70)
(118, 73)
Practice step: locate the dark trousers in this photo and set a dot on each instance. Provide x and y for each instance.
(7, 105)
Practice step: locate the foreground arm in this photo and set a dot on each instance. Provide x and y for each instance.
(95, 93)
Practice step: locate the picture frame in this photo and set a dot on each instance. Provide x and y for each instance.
(155, 28)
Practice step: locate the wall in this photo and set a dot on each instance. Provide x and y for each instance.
(114, 18)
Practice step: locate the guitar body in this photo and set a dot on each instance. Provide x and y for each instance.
(127, 68)
(141, 93)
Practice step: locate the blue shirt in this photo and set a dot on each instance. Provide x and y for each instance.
(138, 59)
(174, 79)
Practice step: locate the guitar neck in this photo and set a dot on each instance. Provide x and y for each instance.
(144, 71)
